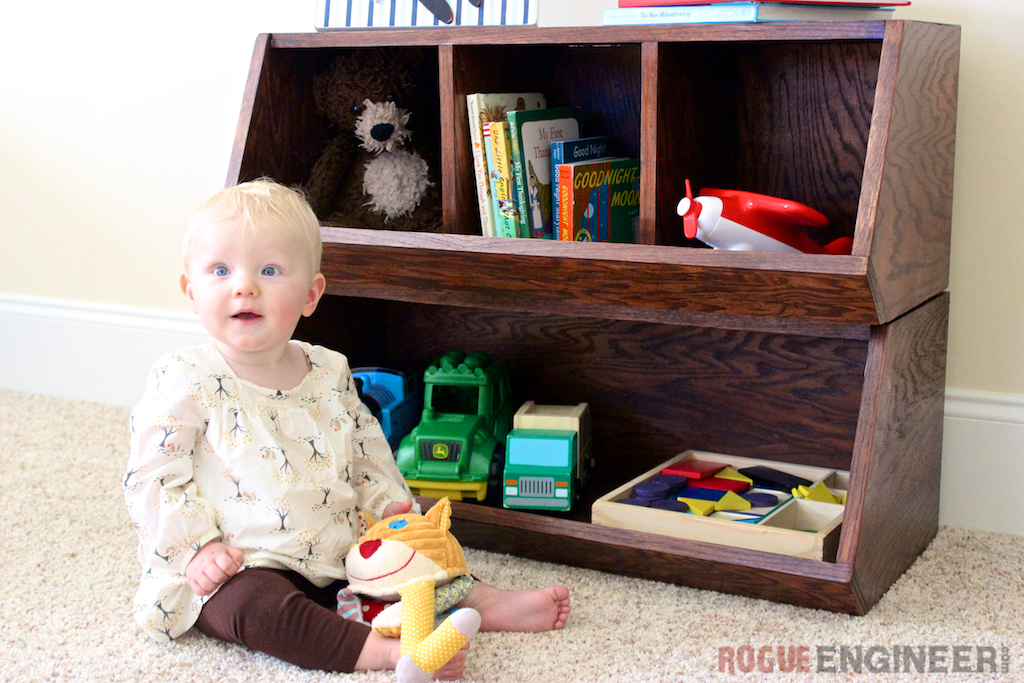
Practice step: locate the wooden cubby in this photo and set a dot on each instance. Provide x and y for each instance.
(829, 361)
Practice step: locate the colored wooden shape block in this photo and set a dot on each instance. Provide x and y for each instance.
(733, 485)
(670, 504)
(675, 482)
(761, 500)
(651, 489)
(695, 469)
(699, 507)
(731, 501)
(818, 492)
(770, 478)
(737, 517)
(733, 473)
(701, 493)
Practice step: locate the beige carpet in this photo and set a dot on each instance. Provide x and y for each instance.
(67, 575)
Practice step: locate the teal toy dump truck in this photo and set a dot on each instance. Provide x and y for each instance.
(458, 447)
(548, 457)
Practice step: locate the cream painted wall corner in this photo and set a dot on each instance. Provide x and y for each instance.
(103, 352)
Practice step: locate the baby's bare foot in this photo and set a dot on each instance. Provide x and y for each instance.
(544, 609)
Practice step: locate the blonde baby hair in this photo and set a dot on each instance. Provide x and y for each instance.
(262, 204)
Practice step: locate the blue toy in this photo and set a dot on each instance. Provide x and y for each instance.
(392, 398)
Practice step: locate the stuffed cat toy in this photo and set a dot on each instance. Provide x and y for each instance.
(415, 559)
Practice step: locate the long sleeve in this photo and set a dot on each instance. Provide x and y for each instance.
(171, 519)
(375, 476)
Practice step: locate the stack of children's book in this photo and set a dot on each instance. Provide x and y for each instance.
(631, 12)
(538, 176)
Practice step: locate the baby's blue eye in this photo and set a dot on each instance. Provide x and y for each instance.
(398, 524)
(270, 270)
(220, 271)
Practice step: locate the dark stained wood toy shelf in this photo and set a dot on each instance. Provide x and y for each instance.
(834, 361)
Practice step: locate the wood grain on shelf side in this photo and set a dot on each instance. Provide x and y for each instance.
(906, 206)
(892, 508)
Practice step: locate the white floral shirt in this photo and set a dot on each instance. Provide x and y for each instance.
(279, 475)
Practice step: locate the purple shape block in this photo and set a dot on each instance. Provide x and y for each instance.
(650, 489)
(670, 504)
(761, 500)
(674, 482)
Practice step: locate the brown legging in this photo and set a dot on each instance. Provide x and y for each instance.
(282, 614)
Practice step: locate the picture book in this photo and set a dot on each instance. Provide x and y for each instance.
(600, 200)
(531, 134)
(581, 149)
(507, 215)
(492, 180)
(484, 108)
(829, 3)
(750, 12)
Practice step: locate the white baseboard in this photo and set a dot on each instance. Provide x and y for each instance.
(86, 351)
(102, 353)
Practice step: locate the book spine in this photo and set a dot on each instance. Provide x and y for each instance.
(557, 156)
(565, 212)
(474, 105)
(507, 213)
(492, 179)
(697, 14)
(519, 180)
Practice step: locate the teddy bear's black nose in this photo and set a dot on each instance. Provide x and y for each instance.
(382, 131)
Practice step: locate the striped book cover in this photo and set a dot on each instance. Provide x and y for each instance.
(339, 14)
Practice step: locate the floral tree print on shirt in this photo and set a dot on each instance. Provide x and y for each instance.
(326, 490)
(309, 539)
(220, 393)
(284, 472)
(239, 495)
(167, 426)
(318, 460)
(279, 508)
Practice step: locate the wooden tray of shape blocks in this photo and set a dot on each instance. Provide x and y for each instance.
(796, 527)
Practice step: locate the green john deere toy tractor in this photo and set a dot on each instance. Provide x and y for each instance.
(458, 447)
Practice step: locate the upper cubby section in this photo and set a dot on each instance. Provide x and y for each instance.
(856, 119)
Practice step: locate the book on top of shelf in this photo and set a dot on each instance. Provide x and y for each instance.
(532, 133)
(507, 210)
(600, 200)
(568, 151)
(487, 107)
(747, 12)
(830, 3)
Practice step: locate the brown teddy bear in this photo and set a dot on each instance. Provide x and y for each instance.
(378, 171)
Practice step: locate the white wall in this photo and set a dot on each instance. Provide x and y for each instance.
(117, 119)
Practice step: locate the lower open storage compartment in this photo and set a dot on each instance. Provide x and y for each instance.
(867, 402)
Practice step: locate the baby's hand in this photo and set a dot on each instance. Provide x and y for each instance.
(214, 564)
(397, 508)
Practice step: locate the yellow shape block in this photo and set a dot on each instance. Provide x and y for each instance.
(732, 473)
(818, 492)
(732, 501)
(700, 507)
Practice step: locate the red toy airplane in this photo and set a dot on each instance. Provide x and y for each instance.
(747, 221)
